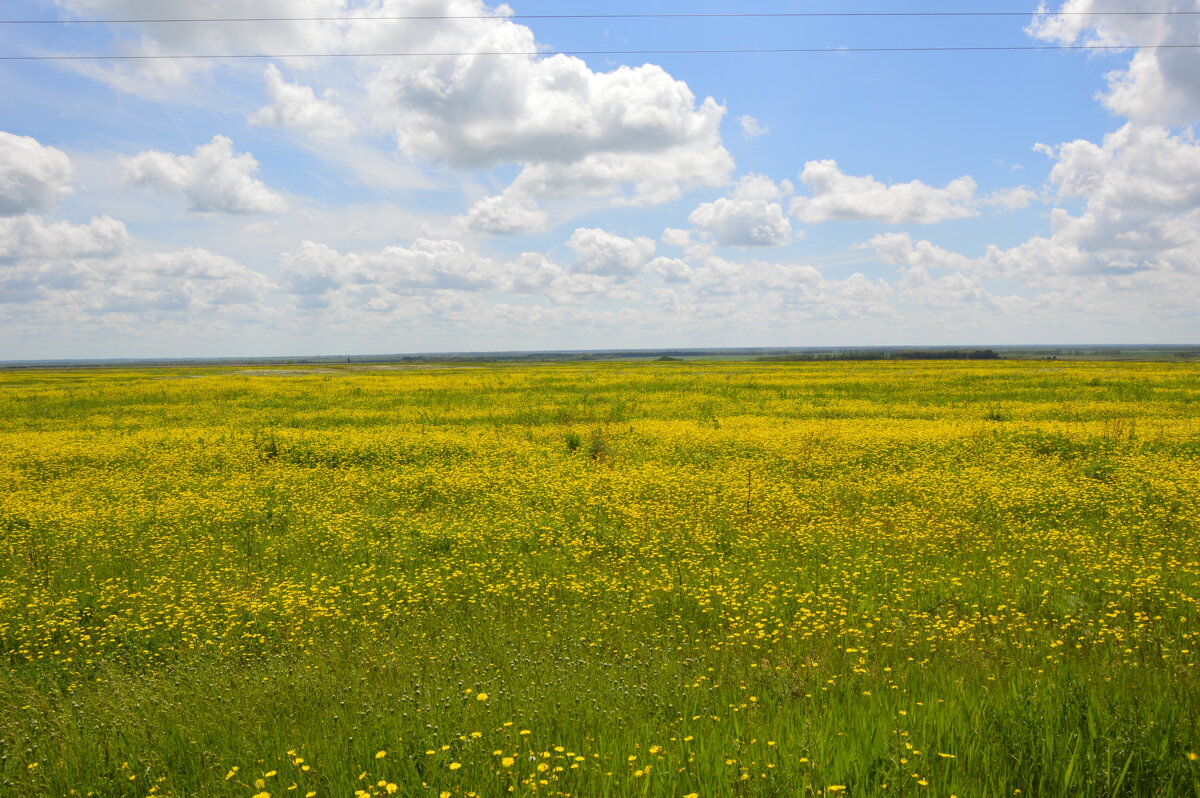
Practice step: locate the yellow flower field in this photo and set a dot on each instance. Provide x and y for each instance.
(606, 579)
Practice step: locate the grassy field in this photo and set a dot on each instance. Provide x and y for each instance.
(657, 579)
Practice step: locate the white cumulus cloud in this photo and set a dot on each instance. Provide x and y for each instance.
(32, 175)
(316, 269)
(480, 111)
(898, 249)
(1137, 235)
(187, 280)
(431, 274)
(1011, 199)
(764, 292)
(837, 196)
(506, 214)
(631, 135)
(752, 128)
(31, 237)
(297, 106)
(606, 254)
(1161, 85)
(76, 283)
(212, 180)
(749, 218)
(1141, 186)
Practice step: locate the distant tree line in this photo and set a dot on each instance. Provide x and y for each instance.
(883, 354)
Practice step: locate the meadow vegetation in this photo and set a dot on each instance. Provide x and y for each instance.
(657, 579)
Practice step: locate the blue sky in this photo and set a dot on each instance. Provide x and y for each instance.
(479, 202)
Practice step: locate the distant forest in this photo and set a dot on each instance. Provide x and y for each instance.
(909, 354)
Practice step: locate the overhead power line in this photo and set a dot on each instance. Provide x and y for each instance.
(730, 51)
(664, 15)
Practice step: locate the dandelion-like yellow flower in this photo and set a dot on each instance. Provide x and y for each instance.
(455, 765)
(481, 697)
(380, 754)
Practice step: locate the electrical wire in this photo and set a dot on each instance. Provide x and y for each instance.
(664, 15)
(730, 51)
